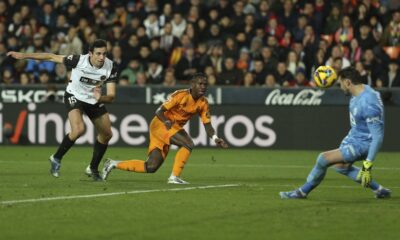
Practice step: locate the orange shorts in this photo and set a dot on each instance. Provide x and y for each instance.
(160, 136)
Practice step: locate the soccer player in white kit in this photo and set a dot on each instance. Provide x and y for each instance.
(83, 95)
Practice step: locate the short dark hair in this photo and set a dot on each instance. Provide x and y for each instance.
(352, 74)
(98, 43)
(198, 76)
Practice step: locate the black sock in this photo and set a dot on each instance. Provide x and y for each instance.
(98, 153)
(65, 145)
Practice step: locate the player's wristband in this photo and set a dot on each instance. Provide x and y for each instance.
(214, 137)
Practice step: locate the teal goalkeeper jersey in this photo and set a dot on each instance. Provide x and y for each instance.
(367, 120)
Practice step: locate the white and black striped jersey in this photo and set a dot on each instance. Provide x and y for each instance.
(85, 77)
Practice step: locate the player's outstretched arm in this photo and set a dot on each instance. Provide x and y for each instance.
(37, 56)
(211, 134)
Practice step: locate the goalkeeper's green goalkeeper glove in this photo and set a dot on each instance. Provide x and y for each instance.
(365, 174)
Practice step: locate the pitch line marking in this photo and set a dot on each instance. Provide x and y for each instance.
(271, 166)
(34, 200)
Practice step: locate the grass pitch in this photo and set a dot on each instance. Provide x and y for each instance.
(233, 195)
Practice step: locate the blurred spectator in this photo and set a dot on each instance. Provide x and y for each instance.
(178, 25)
(270, 81)
(300, 79)
(166, 15)
(259, 72)
(157, 52)
(376, 27)
(355, 51)
(44, 77)
(168, 41)
(365, 38)
(7, 76)
(47, 16)
(345, 33)
(214, 58)
(288, 16)
(244, 60)
(333, 21)
(141, 79)
(152, 26)
(230, 48)
(365, 75)
(124, 81)
(25, 79)
(390, 78)
(229, 74)
(116, 56)
(337, 52)
(372, 65)
(270, 61)
(248, 80)
(131, 71)
(188, 65)
(155, 72)
(293, 63)
(61, 74)
(283, 76)
(169, 78)
(391, 35)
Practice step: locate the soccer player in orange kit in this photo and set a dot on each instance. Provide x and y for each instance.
(166, 128)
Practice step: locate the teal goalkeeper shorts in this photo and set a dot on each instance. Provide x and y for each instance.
(353, 149)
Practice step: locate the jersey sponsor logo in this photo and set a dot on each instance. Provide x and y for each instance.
(88, 81)
(305, 97)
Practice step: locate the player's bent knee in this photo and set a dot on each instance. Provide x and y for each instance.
(77, 132)
(189, 145)
(152, 168)
(107, 136)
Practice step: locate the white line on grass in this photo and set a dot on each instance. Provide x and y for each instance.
(271, 166)
(34, 200)
(294, 186)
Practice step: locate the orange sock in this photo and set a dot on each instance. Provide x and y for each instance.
(180, 159)
(132, 165)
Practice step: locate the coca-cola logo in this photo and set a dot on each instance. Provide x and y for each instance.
(305, 97)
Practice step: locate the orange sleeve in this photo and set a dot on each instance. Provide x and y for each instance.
(205, 112)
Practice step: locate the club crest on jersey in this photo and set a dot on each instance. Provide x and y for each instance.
(88, 81)
(102, 78)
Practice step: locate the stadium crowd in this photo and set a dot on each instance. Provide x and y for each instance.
(268, 43)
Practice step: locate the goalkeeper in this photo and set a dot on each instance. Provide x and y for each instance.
(361, 143)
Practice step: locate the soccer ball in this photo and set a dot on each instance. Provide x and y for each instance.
(324, 76)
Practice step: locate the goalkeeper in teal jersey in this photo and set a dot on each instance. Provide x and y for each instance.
(361, 143)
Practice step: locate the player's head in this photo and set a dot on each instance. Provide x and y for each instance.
(348, 78)
(98, 52)
(199, 85)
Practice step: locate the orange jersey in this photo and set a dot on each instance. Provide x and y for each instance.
(181, 107)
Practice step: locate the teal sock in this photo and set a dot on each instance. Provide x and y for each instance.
(316, 175)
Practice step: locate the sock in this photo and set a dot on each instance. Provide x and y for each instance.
(65, 145)
(180, 159)
(98, 152)
(352, 173)
(316, 175)
(132, 165)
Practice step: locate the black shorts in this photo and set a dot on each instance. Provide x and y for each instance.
(93, 111)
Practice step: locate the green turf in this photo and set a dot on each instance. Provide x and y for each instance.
(338, 209)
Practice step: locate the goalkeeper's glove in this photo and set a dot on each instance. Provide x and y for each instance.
(365, 174)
